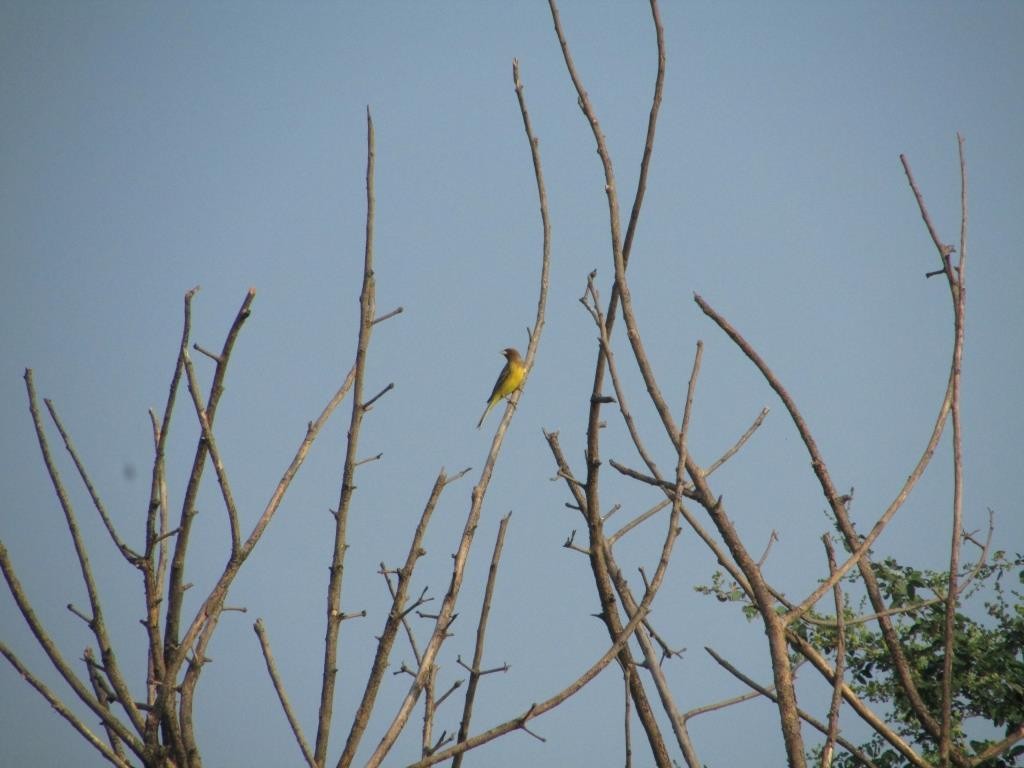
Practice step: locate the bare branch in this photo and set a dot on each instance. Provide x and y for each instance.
(723, 558)
(203, 351)
(405, 613)
(620, 392)
(175, 650)
(105, 696)
(130, 555)
(446, 614)
(58, 706)
(96, 623)
(739, 443)
(857, 545)
(155, 573)
(205, 620)
(396, 616)
(626, 718)
(388, 315)
(369, 403)
(958, 292)
(620, 254)
(770, 694)
(877, 724)
(218, 464)
(535, 710)
(478, 651)
(724, 703)
(367, 311)
(943, 249)
(837, 682)
(275, 678)
(637, 521)
(768, 548)
(51, 650)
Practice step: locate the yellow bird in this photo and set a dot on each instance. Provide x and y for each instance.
(509, 380)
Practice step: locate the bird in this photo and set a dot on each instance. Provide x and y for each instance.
(509, 380)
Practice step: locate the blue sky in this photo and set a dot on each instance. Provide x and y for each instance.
(146, 148)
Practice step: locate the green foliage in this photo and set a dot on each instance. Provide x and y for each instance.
(988, 663)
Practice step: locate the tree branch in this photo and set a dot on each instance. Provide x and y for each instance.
(478, 650)
(446, 614)
(396, 616)
(63, 711)
(275, 678)
(367, 311)
(97, 624)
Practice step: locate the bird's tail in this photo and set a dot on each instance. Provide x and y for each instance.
(487, 410)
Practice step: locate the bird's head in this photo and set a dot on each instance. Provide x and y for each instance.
(510, 353)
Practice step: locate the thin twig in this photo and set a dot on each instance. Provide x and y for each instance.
(772, 538)
(637, 521)
(388, 315)
(130, 555)
(769, 693)
(943, 249)
(739, 443)
(275, 677)
(481, 630)
(405, 613)
(215, 457)
(105, 696)
(723, 704)
(97, 622)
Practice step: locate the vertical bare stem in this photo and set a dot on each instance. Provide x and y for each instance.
(429, 709)
(837, 683)
(156, 559)
(958, 290)
(626, 715)
(481, 631)
(334, 588)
